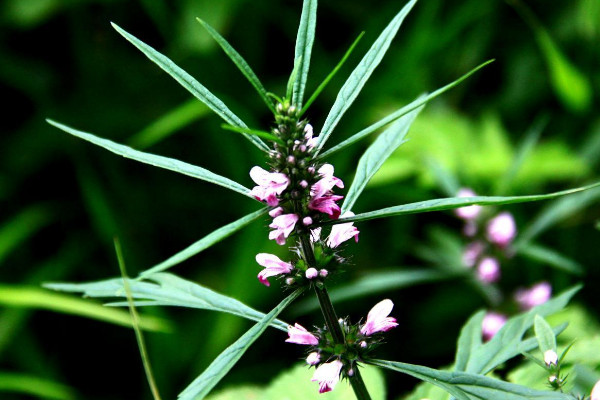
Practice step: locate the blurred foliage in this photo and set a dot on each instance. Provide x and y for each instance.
(63, 201)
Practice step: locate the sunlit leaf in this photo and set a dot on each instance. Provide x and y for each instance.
(304, 45)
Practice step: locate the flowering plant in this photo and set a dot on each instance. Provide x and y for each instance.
(303, 199)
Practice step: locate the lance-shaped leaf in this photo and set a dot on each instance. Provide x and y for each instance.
(204, 243)
(304, 45)
(203, 384)
(239, 61)
(168, 290)
(376, 154)
(360, 75)
(190, 84)
(468, 386)
(422, 100)
(474, 357)
(452, 203)
(550, 257)
(158, 161)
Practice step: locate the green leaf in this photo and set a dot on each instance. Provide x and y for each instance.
(469, 341)
(508, 343)
(452, 203)
(34, 386)
(239, 61)
(204, 243)
(190, 84)
(360, 75)
(304, 44)
(254, 132)
(169, 290)
(28, 297)
(468, 386)
(169, 123)
(422, 100)
(550, 258)
(375, 156)
(330, 76)
(203, 384)
(20, 227)
(292, 79)
(155, 160)
(544, 334)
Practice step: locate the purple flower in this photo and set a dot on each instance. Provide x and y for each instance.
(326, 205)
(488, 270)
(270, 185)
(273, 267)
(501, 230)
(299, 335)
(468, 212)
(472, 252)
(322, 197)
(595, 395)
(328, 375)
(313, 358)
(378, 320)
(534, 296)
(342, 232)
(491, 324)
(283, 225)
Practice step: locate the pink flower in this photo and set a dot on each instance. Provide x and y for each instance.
(534, 296)
(276, 212)
(472, 253)
(299, 335)
(313, 358)
(595, 395)
(488, 270)
(311, 141)
(328, 375)
(273, 267)
(378, 320)
(342, 232)
(502, 229)
(283, 225)
(323, 199)
(468, 212)
(491, 324)
(270, 185)
(326, 205)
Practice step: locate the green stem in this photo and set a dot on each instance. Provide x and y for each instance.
(358, 385)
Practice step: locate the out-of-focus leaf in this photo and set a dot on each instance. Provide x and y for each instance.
(157, 161)
(360, 75)
(304, 45)
(191, 84)
(204, 243)
(375, 156)
(544, 334)
(169, 290)
(468, 386)
(21, 227)
(169, 123)
(204, 383)
(19, 296)
(29, 385)
(28, 14)
(246, 392)
(550, 257)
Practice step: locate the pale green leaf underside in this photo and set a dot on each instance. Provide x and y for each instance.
(190, 84)
(468, 386)
(376, 154)
(168, 290)
(156, 160)
(452, 203)
(204, 243)
(203, 384)
(239, 61)
(360, 75)
(304, 45)
(399, 113)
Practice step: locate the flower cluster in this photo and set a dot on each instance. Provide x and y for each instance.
(333, 360)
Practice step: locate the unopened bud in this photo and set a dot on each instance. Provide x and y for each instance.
(289, 281)
(291, 159)
(307, 221)
(302, 148)
(312, 273)
(363, 344)
(550, 358)
(313, 358)
(351, 372)
(303, 184)
(323, 273)
(311, 170)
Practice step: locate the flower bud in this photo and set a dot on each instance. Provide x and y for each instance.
(313, 358)
(323, 273)
(501, 230)
(291, 159)
(303, 184)
(550, 358)
(468, 212)
(491, 324)
(312, 273)
(488, 270)
(595, 395)
(363, 344)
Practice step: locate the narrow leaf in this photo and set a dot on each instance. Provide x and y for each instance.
(468, 341)
(169, 290)
(360, 75)
(376, 154)
(254, 132)
(400, 113)
(190, 84)
(550, 257)
(544, 334)
(452, 203)
(29, 385)
(304, 44)
(204, 243)
(158, 161)
(203, 384)
(331, 75)
(467, 386)
(292, 79)
(239, 61)
(21, 227)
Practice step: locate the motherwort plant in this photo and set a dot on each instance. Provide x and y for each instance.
(311, 215)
